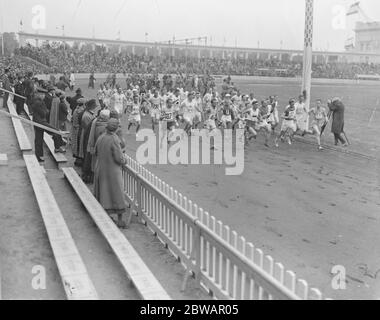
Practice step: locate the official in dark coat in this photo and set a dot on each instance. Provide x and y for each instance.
(91, 81)
(40, 114)
(29, 90)
(61, 84)
(336, 106)
(62, 113)
(48, 100)
(73, 101)
(7, 86)
(19, 89)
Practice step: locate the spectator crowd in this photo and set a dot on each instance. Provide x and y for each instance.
(60, 58)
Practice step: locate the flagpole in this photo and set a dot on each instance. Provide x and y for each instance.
(2, 44)
(308, 52)
(2, 29)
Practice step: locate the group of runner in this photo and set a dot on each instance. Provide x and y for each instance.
(212, 111)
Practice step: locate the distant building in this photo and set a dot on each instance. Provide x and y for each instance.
(367, 37)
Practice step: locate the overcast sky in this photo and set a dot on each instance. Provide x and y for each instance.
(229, 22)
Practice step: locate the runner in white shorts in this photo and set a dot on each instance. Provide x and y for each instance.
(135, 115)
(289, 124)
(273, 119)
(262, 124)
(118, 100)
(319, 115)
(155, 108)
(227, 115)
(211, 116)
(187, 111)
(252, 118)
(168, 117)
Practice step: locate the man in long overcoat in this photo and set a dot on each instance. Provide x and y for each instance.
(336, 106)
(40, 113)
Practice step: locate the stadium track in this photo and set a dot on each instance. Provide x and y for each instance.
(310, 210)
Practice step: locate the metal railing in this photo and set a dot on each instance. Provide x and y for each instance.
(223, 263)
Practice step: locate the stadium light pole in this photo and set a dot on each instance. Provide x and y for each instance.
(308, 51)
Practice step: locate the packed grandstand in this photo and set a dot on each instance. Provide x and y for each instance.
(60, 58)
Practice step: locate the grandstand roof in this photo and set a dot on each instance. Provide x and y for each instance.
(36, 36)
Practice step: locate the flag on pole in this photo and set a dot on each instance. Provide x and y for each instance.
(354, 9)
(77, 9)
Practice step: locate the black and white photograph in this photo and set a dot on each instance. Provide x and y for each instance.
(208, 152)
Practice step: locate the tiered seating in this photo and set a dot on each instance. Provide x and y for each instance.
(75, 279)
(146, 284)
(22, 138)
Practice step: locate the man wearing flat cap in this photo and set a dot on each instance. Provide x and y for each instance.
(73, 101)
(108, 184)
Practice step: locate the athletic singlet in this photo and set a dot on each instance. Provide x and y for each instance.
(101, 95)
(290, 114)
(198, 105)
(227, 112)
(300, 108)
(252, 114)
(188, 107)
(135, 109)
(119, 98)
(212, 113)
(155, 102)
(319, 114)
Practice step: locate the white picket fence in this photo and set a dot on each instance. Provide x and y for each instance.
(223, 262)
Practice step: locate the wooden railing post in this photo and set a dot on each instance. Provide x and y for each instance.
(195, 258)
(197, 253)
(137, 196)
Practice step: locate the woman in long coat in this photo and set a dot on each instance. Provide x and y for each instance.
(93, 131)
(98, 127)
(337, 127)
(108, 184)
(54, 112)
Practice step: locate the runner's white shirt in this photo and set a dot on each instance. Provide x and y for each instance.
(155, 102)
(119, 100)
(188, 107)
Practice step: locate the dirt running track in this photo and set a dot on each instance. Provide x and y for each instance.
(310, 210)
(307, 209)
